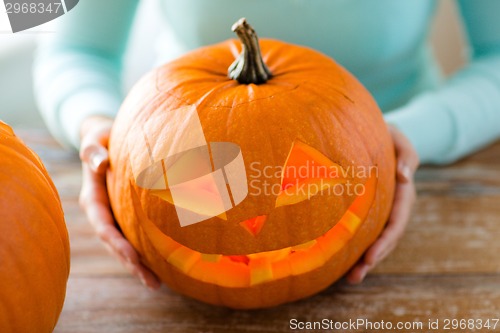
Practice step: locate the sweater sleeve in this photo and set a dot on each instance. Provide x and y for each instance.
(464, 114)
(77, 69)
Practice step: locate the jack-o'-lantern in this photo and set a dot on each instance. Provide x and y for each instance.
(254, 186)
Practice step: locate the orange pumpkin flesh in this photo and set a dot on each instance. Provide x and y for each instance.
(254, 225)
(34, 246)
(271, 248)
(294, 186)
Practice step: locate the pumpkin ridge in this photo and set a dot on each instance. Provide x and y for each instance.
(200, 100)
(42, 176)
(41, 209)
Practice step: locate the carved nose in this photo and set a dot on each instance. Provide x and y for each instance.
(254, 225)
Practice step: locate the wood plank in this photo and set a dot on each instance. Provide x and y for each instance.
(449, 235)
(121, 305)
(456, 220)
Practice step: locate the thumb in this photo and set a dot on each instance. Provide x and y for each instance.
(407, 157)
(96, 156)
(95, 134)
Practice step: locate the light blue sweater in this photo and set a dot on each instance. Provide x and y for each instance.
(383, 42)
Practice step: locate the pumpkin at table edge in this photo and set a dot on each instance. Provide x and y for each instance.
(310, 106)
(34, 243)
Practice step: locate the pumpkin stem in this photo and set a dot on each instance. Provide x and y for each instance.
(249, 66)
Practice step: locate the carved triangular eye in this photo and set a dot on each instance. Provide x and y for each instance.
(306, 173)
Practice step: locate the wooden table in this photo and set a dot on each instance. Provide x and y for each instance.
(446, 267)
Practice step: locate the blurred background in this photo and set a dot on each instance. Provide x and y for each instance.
(17, 104)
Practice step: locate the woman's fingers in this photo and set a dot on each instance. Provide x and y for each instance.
(388, 240)
(358, 273)
(394, 230)
(94, 201)
(404, 199)
(95, 135)
(95, 156)
(408, 160)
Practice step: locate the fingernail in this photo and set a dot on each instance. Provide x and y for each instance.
(359, 278)
(378, 257)
(129, 260)
(95, 161)
(153, 288)
(143, 280)
(382, 255)
(364, 272)
(405, 171)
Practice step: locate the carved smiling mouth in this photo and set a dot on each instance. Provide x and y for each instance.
(253, 269)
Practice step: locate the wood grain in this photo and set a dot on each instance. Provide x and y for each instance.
(446, 266)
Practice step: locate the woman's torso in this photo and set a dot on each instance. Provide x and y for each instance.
(383, 42)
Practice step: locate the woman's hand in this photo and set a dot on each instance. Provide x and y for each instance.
(404, 199)
(95, 202)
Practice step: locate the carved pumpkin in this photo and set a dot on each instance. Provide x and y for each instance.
(203, 178)
(34, 245)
